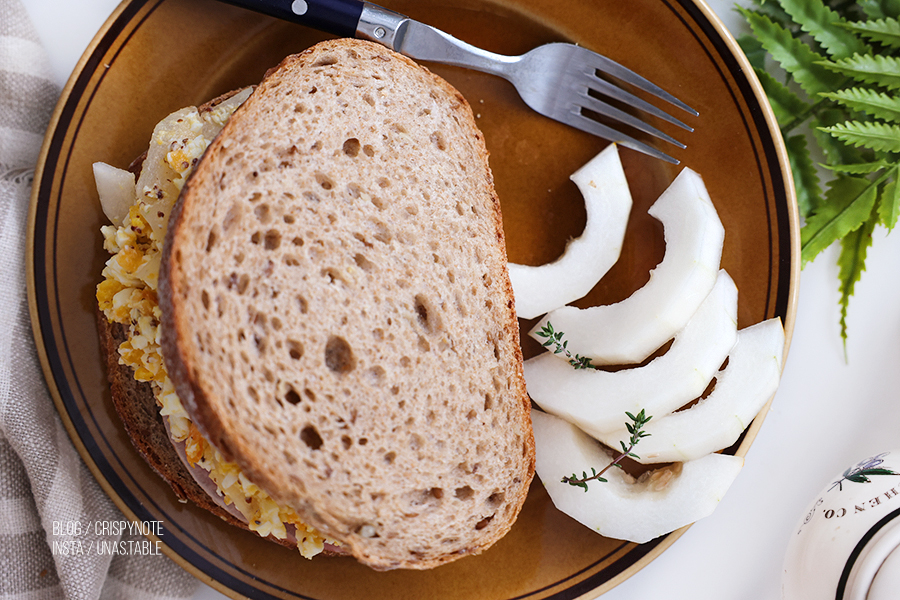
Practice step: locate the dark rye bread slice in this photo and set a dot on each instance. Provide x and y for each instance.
(139, 412)
(337, 314)
(137, 408)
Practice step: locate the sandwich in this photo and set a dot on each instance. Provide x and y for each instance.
(309, 286)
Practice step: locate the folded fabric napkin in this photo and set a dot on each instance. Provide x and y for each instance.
(44, 485)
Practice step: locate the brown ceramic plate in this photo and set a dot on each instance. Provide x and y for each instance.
(155, 56)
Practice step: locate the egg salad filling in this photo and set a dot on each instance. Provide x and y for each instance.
(128, 295)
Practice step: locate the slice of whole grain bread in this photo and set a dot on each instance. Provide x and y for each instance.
(337, 315)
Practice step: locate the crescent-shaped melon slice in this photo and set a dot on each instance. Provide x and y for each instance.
(716, 422)
(587, 258)
(631, 330)
(639, 510)
(597, 400)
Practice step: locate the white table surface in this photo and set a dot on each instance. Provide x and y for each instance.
(827, 415)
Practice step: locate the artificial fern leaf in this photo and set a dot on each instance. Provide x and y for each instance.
(836, 151)
(806, 180)
(786, 105)
(774, 11)
(878, 104)
(822, 24)
(754, 51)
(880, 9)
(868, 68)
(883, 31)
(848, 204)
(889, 203)
(852, 263)
(794, 56)
(858, 168)
(874, 135)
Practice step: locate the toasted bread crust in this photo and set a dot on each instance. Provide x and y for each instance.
(435, 504)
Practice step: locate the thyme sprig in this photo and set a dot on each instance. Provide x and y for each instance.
(635, 428)
(560, 346)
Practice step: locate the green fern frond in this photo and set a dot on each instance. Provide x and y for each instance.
(880, 9)
(858, 168)
(849, 202)
(889, 202)
(836, 151)
(797, 58)
(806, 179)
(873, 102)
(851, 264)
(874, 135)
(883, 31)
(868, 68)
(823, 24)
(787, 106)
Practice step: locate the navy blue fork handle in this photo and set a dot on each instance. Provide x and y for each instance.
(338, 17)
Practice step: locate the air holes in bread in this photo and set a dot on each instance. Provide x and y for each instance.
(310, 436)
(339, 356)
(483, 523)
(464, 493)
(272, 239)
(376, 374)
(325, 181)
(263, 213)
(291, 396)
(427, 314)
(326, 61)
(211, 240)
(439, 141)
(363, 263)
(351, 147)
(295, 349)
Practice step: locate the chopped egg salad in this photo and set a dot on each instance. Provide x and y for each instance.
(128, 295)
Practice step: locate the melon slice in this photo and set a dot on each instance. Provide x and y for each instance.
(716, 422)
(631, 330)
(587, 258)
(623, 508)
(597, 400)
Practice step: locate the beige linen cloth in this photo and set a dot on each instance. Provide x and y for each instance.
(43, 482)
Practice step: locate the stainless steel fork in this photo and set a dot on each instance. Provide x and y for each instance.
(565, 82)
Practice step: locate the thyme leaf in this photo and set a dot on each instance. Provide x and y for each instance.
(635, 428)
(560, 346)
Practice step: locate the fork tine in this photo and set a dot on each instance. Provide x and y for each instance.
(611, 67)
(607, 110)
(615, 92)
(576, 119)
